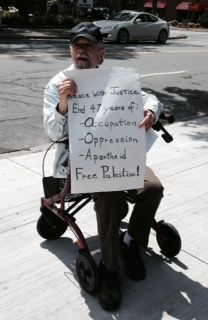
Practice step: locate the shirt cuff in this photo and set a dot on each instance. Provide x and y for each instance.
(58, 116)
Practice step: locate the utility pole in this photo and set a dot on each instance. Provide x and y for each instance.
(140, 5)
(1, 11)
(116, 5)
(154, 7)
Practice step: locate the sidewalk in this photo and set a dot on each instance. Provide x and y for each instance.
(38, 278)
(27, 33)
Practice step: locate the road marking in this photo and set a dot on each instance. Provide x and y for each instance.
(162, 74)
(185, 51)
(133, 53)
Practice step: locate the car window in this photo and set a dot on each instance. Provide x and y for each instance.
(147, 18)
(143, 17)
(152, 18)
(123, 16)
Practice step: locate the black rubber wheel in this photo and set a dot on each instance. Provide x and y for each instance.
(49, 226)
(168, 239)
(163, 36)
(87, 272)
(123, 36)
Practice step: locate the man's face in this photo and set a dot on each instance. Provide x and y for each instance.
(86, 54)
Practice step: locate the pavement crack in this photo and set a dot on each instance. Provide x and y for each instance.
(188, 169)
(195, 257)
(25, 167)
(5, 120)
(17, 227)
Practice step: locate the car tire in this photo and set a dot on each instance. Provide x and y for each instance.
(163, 36)
(123, 36)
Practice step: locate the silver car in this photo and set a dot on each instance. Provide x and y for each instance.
(126, 26)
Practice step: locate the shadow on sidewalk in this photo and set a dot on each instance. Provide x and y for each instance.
(184, 104)
(27, 33)
(165, 290)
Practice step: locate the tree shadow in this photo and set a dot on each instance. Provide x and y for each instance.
(164, 291)
(52, 38)
(183, 103)
(59, 48)
(35, 49)
(187, 105)
(39, 33)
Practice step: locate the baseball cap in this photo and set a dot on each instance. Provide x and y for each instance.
(85, 30)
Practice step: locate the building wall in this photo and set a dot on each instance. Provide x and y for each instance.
(171, 12)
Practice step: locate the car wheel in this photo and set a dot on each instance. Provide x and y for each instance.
(163, 36)
(123, 36)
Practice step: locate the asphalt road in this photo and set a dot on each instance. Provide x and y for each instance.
(176, 72)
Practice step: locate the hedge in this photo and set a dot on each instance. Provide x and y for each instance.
(17, 20)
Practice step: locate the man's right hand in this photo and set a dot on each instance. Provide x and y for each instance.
(66, 88)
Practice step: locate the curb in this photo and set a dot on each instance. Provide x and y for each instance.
(178, 37)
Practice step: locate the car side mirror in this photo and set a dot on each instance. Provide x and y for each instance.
(138, 20)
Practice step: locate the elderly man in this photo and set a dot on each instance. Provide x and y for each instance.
(87, 52)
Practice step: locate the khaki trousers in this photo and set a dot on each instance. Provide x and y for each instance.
(108, 207)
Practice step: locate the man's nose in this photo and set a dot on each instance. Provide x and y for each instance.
(82, 48)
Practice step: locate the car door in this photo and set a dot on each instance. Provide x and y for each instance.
(145, 27)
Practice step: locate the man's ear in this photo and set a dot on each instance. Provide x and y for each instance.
(101, 55)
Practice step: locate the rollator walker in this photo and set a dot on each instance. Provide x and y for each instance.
(58, 210)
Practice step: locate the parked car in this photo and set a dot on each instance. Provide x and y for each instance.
(126, 26)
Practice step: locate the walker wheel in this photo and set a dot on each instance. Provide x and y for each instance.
(168, 239)
(49, 226)
(87, 272)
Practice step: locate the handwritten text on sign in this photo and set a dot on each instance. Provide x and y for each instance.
(107, 149)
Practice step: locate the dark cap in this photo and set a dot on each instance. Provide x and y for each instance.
(85, 30)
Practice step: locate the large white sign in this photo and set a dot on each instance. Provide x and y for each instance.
(107, 148)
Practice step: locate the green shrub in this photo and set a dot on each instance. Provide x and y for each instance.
(59, 20)
(50, 20)
(77, 21)
(203, 20)
(68, 21)
(13, 19)
(38, 21)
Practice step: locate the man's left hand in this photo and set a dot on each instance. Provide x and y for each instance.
(148, 120)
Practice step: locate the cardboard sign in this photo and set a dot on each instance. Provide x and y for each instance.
(107, 148)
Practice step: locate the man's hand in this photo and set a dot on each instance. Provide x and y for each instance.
(67, 88)
(148, 120)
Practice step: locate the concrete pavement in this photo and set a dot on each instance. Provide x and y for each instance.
(37, 277)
